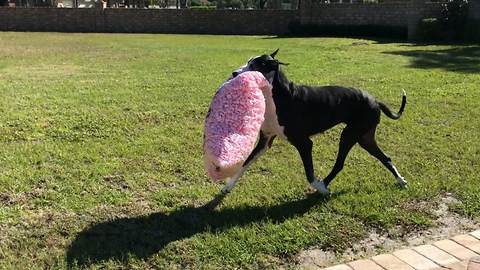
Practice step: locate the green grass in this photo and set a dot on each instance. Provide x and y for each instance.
(101, 151)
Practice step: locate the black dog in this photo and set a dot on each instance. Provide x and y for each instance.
(297, 112)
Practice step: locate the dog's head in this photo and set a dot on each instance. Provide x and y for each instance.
(265, 64)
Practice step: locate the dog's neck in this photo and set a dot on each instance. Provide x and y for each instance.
(283, 90)
(281, 82)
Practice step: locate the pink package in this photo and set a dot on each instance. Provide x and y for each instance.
(232, 124)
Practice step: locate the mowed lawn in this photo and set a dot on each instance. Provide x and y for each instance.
(101, 151)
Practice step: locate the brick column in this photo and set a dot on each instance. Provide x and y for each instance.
(416, 10)
(100, 7)
(474, 9)
(305, 12)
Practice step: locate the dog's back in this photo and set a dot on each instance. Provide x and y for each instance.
(314, 109)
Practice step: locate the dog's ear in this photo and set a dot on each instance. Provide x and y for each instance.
(276, 63)
(274, 53)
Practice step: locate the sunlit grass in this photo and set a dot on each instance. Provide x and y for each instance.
(101, 151)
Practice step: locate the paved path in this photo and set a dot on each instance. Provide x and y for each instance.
(457, 253)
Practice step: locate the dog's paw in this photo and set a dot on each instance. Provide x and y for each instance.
(320, 187)
(401, 181)
(227, 188)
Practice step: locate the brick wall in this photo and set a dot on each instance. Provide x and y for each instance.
(432, 10)
(228, 22)
(47, 19)
(185, 21)
(391, 14)
(180, 21)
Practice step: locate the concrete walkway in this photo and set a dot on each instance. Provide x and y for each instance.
(457, 253)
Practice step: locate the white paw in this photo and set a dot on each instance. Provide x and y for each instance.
(227, 188)
(401, 181)
(320, 187)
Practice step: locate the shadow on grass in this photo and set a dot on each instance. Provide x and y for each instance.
(142, 237)
(461, 59)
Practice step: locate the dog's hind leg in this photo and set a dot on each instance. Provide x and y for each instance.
(350, 136)
(368, 143)
(264, 143)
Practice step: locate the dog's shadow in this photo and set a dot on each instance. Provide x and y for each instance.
(144, 236)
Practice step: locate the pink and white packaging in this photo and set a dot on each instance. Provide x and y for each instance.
(232, 124)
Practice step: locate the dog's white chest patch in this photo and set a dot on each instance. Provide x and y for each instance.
(270, 125)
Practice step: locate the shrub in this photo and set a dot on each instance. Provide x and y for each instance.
(428, 29)
(202, 7)
(472, 30)
(453, 19)
(198, 4)
(452, 25)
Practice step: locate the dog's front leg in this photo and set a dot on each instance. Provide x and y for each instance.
(264, 143)
(304, 147)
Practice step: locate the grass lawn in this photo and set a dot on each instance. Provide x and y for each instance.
(101, 151)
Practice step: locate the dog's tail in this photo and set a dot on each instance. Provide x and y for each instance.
(387, 111)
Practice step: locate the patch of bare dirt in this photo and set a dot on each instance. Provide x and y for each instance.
(447, 225)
